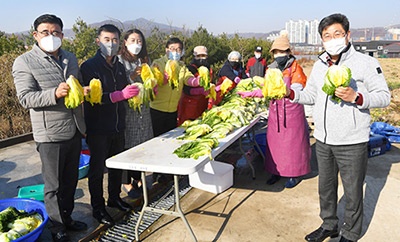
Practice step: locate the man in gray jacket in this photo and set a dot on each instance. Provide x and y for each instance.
(39, 77)
(342, 128)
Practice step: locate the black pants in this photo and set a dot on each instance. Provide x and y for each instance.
(60, 167)
(163, 121)
(128, 175)
(102, 147)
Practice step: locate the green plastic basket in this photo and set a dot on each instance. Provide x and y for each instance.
(35, 192)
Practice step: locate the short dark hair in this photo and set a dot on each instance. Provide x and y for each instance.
(47, 18)
(174, 40)
(108, 28)
(336, 18)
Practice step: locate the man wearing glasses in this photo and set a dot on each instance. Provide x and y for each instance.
(164, 108)
(342, 128)
(39, 77)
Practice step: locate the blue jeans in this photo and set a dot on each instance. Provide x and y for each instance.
(351, 162)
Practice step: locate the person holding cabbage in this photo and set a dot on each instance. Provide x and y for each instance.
(343, 86)
(105, 121)
(230, 74)
(194, 100)
(138, 128)
(41, 78)
(175, 74)
(288, 150)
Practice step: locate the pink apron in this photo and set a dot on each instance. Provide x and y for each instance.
(288, 149)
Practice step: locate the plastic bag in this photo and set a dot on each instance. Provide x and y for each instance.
(387, 130)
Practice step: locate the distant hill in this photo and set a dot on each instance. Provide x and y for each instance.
(146, 26)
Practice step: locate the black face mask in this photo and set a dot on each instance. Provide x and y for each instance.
(201, 62)
(234, 64)
(281, 60)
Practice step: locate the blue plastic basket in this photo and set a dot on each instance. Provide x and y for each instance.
(28, 205)
(83, 166)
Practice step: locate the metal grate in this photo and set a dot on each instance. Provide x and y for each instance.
(125, 230)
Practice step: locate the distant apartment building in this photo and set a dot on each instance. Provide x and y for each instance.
(394, 33)
(297, 31)
(303, 32)
(313, 36)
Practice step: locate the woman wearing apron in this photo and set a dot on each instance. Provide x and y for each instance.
(288, 150)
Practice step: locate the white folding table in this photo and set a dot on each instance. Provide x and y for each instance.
(156, 155)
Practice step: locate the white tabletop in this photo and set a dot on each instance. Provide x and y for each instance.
(156, 155)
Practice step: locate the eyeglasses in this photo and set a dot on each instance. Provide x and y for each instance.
(179, 50)
(47, 33)
(336, 35)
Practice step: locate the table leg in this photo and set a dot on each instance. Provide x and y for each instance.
(178, 208)
(247, 159)
(145, 202)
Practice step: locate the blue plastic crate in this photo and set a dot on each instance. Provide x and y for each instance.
(378, 145)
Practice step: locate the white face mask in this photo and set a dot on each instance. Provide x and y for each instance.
(257, 55)
(335, 46)
(134, 48)
(50, 43)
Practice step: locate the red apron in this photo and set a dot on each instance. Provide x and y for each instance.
(191, 107)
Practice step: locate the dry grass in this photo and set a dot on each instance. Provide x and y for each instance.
(14, 119)
(391, 70)
(391, 114)
(307, 65)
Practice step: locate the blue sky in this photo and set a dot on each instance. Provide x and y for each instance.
(217, 16)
